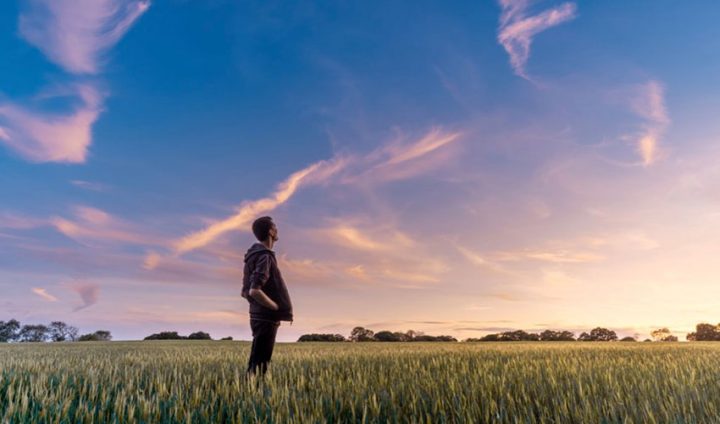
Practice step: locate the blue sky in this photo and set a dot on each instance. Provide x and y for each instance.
(454, 168)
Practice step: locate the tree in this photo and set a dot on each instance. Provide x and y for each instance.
(566, 336)
(388, 336)
(488, 338)
(598, 334)
(556, 336)
(628, 339)
(98, 336)
(103, 335)
(321, 338)
(426, 338)
(704, 332)
(60, 332)
(663, 335)
(360, 334)
(199, 335)
(508, 336)
(33, 333)
(410, 335)
(9, 331)
(165, 335)
(401, 336)
(227, 338)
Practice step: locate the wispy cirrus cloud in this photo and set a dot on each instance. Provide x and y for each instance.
(517, 29)
(44, 294)
(403, 158)
(480, 260)
(342, 169)
(380, 253)
(89, 185)
(75, 34)
(373, 250)
(19, 222)
(649, 102)
(42, 136)
(402, 152)
(250, 210)
(85, 225)
(350, 236)
(90, 225)
(557, 256)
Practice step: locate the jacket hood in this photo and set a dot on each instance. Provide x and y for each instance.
(255, 249)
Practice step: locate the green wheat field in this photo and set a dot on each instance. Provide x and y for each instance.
(202, 381)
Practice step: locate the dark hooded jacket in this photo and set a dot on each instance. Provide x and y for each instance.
(261, 272)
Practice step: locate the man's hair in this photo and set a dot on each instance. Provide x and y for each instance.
(261, 227)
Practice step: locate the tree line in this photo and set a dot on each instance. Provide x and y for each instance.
(56, 331)
(361, 334)
(59, 331)
(173, 335)
(703, 332)
(596, 334)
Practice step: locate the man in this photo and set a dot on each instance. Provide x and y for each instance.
(264, 288)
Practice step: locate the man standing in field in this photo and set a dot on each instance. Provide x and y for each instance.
(264, 288)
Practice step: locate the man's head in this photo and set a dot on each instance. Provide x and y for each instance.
(264, 228)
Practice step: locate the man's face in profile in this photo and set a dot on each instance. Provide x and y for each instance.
(274, 233)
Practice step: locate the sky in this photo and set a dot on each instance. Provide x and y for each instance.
(458, 168)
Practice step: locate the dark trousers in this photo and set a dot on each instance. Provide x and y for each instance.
(264, 333)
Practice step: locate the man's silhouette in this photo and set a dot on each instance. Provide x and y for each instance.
(264, 288)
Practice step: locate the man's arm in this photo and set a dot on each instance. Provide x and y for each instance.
(263, 299)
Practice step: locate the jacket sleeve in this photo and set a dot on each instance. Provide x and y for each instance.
(261, 273)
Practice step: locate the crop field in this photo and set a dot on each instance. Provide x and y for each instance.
(202, 381)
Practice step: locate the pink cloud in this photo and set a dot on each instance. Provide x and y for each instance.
(19, 222)
(403, 152)
(41, 136)
(517, 30)
(88, 292)
(76, 33)
(649, 103)
(44, 294)
(73, 34)
(403, 158)
(376, 166)
(94, 225)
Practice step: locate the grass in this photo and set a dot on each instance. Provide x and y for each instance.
(202, 381)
